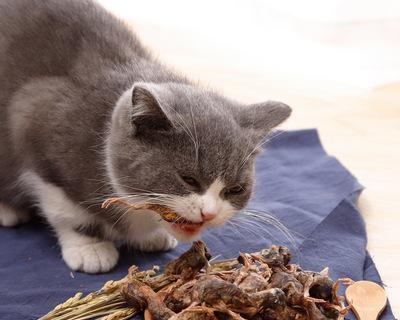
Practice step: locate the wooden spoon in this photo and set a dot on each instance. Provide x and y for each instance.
(367, 299)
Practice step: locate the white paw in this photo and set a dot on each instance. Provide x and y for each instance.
(91, 258)
(10, 217)
(159, 240)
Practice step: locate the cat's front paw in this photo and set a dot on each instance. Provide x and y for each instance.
(95, 257)
(157, 241)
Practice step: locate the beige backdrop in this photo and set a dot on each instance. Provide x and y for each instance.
(336, 63)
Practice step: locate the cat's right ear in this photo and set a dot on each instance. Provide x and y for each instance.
(148, 115)
(261, 118)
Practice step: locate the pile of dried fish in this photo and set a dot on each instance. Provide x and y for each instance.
(260, 285)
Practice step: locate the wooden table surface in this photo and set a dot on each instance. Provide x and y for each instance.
(337, 64)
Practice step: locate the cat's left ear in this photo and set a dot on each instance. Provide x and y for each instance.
(148, 114)
(261, 118)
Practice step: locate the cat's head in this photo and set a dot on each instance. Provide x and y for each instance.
(188, 148)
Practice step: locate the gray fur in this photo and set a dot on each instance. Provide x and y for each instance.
(64, 64)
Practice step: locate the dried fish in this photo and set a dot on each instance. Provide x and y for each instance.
(166, 213)
(191, 262)
(256, 286)
(261, 285)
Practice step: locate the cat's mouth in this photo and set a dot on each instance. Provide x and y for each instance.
(183, 228)
(179, 220)
(178, 223)
(187, 229)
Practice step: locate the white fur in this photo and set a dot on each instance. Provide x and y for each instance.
(146, 231)
(80, 252)
(149, 233)
(191, 206)
(89, 254)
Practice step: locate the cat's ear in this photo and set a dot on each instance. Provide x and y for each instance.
(148, 114)
(261, 118)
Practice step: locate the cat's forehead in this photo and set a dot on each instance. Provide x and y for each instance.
(206, 113)
(209, 137)
(191, 100)
(216, 150)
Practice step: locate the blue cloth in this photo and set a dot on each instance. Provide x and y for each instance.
(311, 193)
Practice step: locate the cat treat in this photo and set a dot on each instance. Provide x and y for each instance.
(165, 213)
(256, 286)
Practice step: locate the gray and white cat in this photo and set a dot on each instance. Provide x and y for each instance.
(87, 113)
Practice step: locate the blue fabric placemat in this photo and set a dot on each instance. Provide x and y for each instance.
(311, 193)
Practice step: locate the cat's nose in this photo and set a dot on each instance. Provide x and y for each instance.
(207, 216)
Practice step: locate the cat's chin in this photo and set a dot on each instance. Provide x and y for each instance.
(185, 232)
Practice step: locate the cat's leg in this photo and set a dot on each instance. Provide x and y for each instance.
(157, 240)
(147, 233)
(79, 251)
(10, 217)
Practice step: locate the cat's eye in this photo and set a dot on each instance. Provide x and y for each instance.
(234, 191)
(191, 181)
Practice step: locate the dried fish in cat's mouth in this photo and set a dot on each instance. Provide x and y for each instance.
(165, 213)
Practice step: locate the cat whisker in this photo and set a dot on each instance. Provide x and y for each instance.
(119, 219)
(143, 191)
(259, 145)
(241, 226)
(196, 145)
(235, 227)
(176, 221)
(268, 218)
(252, 226)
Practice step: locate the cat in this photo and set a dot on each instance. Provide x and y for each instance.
(86, 113)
